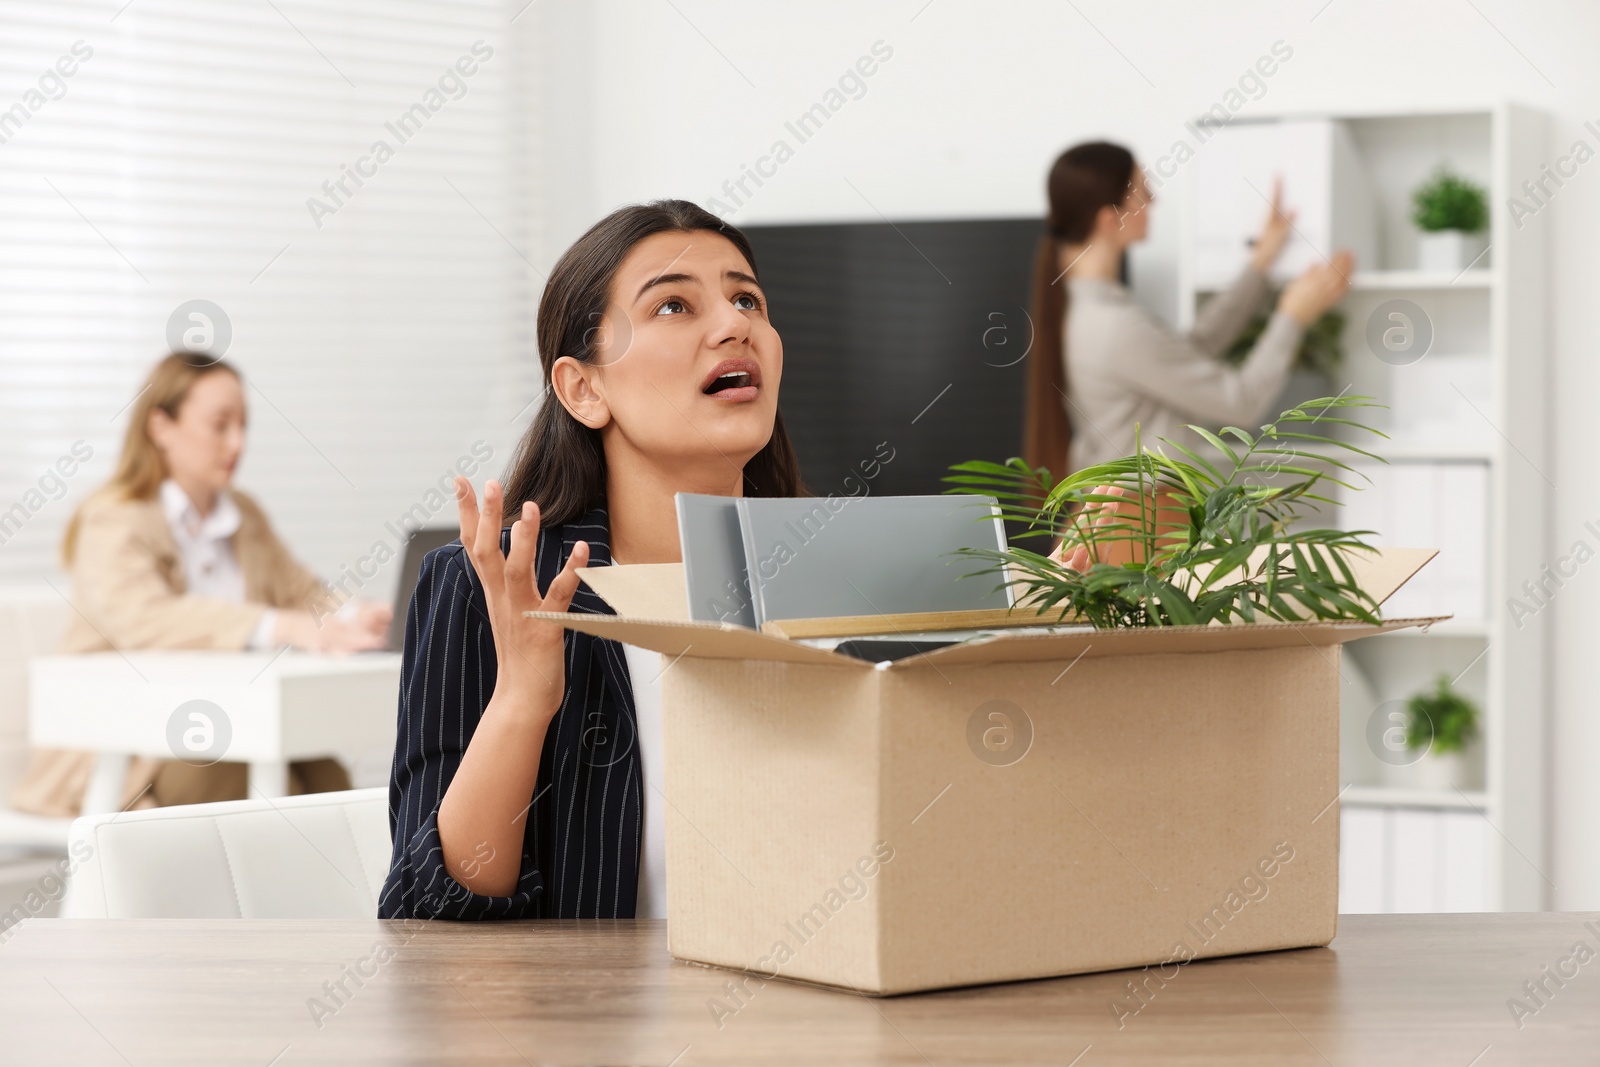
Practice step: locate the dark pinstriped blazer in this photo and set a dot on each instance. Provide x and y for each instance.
(580, 849)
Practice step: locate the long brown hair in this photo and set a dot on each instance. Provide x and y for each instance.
(140, 468)
(560, 464)
(1086, 178)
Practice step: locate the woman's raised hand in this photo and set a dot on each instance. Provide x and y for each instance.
(1108, 531)
(530, 652)
(1274, 232)
(1321, 286)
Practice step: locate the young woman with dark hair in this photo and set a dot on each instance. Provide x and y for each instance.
(1102, 364)
(526, 775)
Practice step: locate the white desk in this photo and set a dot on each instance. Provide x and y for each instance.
(279, 706)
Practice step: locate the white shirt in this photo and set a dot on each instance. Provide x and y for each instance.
(644, 668)
(205, 547)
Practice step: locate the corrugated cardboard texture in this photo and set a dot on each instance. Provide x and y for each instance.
(727, 641)
(838, 822)
(774, 787)
(714, 640)
(1025, 647)
(1153, 788)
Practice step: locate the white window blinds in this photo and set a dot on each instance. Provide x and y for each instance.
(346, 180)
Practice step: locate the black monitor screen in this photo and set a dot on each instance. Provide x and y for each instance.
(909, 336)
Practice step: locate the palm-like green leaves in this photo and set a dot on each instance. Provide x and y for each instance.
(1225, 548)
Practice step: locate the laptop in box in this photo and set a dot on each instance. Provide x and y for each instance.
(821, 557)
(818, 558)
(751, 559)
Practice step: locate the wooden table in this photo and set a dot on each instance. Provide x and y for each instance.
(280, 706)
(1404, 990)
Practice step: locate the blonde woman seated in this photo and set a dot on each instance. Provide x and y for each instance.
(169, 555)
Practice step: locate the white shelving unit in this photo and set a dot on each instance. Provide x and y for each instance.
(1400, 797)
(1419, 280)
(1466, 420)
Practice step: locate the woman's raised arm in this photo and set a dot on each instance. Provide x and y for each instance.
(483, 815)
(474, 718)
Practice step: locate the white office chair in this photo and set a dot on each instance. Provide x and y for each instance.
(317, 856)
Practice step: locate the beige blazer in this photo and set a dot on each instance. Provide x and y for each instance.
(128, 592)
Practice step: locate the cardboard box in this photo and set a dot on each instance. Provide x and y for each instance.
(1031, 803)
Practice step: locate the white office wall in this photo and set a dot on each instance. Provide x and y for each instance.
(384, 328)
(963, 120)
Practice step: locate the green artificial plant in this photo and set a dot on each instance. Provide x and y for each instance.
(1443, 718)
(1448, 201)
(1234, 556)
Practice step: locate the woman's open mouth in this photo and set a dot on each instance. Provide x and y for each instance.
(733, 380)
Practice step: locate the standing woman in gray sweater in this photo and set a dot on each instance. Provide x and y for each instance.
(1101, 363)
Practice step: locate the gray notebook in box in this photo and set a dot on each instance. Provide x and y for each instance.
(713, 560)
(874, 555)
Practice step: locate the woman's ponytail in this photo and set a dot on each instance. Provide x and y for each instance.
(1046, 429)
(1086, 178)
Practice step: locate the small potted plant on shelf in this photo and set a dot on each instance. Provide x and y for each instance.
(1153, 540)
(1440, 724)
(1451, 212)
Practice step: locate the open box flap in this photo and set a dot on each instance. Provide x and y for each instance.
(714, 640)
(652, 605)
(728, 641)
(1382, 571)
(641, 590)
(658, 590)
(1069, 644)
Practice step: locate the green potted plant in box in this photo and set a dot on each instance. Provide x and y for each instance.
(1153, 540)
(1440, 725)
(1451, 212)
